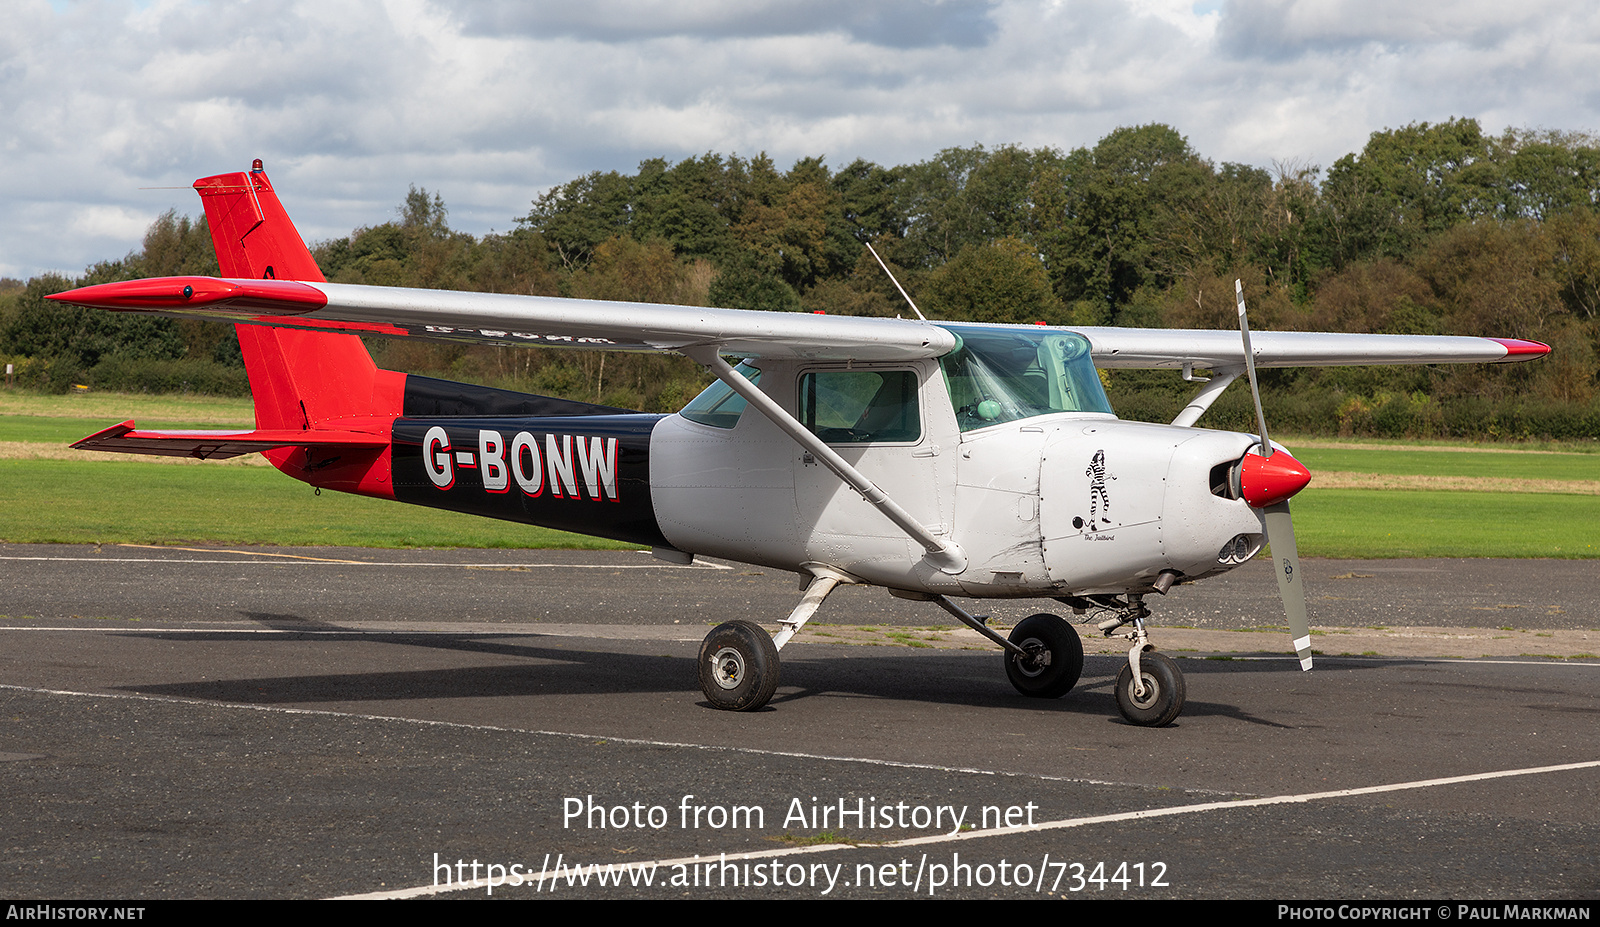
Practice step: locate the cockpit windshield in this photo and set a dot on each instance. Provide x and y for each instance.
(1000, 375)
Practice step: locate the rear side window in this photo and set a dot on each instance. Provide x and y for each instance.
(861, 406)
(718, 405)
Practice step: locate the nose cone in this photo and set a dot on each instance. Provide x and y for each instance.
(1267, 481)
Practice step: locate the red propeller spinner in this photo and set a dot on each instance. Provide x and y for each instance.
(1265, 481)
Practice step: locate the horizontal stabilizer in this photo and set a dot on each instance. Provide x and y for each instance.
(218, 445)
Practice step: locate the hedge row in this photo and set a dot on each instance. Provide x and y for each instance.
(126, 375)
(1414, 415)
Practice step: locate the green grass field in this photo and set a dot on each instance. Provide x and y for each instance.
(111, 408)
(125, 499)
(135, 502)
(1357, 523)
(1474, 462)
(57, 430)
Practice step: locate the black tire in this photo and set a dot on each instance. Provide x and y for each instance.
(1049, 635)
(1164, 691)
(738, 666)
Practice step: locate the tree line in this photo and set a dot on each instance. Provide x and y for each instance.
(1430, 228)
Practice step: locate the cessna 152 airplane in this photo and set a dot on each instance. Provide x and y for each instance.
(939, 461)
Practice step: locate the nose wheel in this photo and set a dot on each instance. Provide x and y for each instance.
(1157, 698)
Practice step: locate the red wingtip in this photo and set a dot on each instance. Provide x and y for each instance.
(1270, 480)
(1518, 348)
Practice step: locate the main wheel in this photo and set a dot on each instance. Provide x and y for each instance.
(1163, 696)
(1057, 659)
(738, 666)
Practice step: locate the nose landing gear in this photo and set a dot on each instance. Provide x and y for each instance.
(1150, 689)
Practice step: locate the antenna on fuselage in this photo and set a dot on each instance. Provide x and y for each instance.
(896, 283)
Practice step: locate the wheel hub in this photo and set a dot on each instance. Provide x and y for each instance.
(1150, 695)
(727, 668)
(1037, 660)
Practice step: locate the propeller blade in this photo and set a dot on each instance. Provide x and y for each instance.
(1250, 369)
(1280, 482)
(1286, 561)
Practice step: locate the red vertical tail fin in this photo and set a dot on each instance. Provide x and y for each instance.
(299, 379)
(251, 231)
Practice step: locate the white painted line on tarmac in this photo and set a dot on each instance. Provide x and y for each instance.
(599, 632)
(245, 553)
(697, 565)
(1530, 660)
(638, 741)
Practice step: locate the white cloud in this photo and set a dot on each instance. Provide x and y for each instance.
(111, 223)
(1281, 28)
(351, 101)
(892, 23)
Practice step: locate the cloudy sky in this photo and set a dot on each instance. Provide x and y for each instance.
(349, 102)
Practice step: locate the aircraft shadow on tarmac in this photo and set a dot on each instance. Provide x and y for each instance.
(567, 666)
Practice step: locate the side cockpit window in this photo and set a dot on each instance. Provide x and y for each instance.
(861, 406)
(718, 405)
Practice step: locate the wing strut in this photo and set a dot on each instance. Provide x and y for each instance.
(941, 552)
(1206, 396)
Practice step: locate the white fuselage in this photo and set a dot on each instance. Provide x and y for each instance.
(1057, 504)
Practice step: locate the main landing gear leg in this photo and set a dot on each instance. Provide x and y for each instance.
(1044, 656)
(739, 660)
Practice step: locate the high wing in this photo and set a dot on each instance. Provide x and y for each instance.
(501, 319)
(1155, 347)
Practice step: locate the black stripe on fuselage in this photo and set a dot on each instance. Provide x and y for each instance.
(427, 396)
(584, 473)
